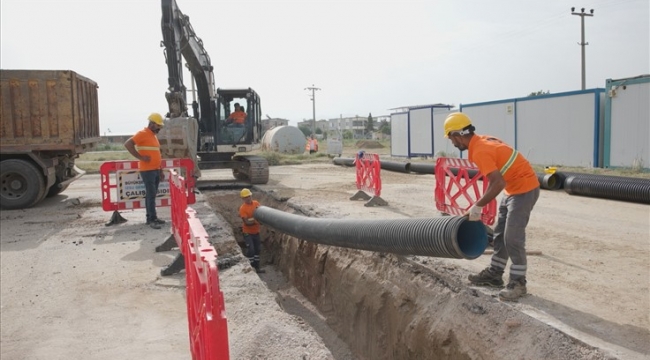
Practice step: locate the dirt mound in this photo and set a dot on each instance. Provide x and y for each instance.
(369, 144)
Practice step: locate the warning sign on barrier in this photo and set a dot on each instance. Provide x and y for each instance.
(131, 187)
(123, 189)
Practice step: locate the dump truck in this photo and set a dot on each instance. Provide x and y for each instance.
(47, 118)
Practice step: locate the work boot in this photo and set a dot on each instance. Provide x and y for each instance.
(153, 225)
(158, 221)
(514, 290)
(487, 277)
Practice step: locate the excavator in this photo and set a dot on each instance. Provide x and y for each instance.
(206, 136)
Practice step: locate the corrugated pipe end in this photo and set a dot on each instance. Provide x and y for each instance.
(472, 239)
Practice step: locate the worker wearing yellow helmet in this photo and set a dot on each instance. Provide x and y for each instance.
(506, 169)
(251, 229)
(144, 146)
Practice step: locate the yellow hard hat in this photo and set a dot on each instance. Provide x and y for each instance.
(156, 119)
(455, 122)
(245, 193)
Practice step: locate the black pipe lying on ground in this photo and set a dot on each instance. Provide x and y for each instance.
(395, 166)
(385, 165)
(549, 181)
(448, 236)
(608, 187)
(343, 161)
(423, 168)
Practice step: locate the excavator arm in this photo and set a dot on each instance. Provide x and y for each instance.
(181, 42)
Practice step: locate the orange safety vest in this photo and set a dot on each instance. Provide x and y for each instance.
(309, 142)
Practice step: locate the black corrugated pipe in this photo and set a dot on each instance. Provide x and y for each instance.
(343, 161)
(423, 168)
(395, 166)
(549, 181)
(448, 236)
(604, 186)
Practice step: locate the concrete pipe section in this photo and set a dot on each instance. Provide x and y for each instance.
(447, 237)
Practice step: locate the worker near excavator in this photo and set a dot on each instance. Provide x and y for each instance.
(312, 144)
(506, 169)
(237, 118)
(144, 146)
(251, 229)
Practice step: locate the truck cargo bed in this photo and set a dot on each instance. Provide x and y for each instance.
(47, 110)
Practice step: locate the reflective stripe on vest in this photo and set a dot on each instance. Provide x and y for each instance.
(147, 148)
(510, 161)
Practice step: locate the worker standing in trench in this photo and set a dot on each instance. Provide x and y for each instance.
(251, 229)
(507, 170)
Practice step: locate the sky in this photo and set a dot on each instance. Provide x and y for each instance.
(365, 56)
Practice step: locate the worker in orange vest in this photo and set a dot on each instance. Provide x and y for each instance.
(312, 144)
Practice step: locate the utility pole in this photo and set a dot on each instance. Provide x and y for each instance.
(582, 43)
(313, 99)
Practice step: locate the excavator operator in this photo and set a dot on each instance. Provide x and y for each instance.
(237, 118)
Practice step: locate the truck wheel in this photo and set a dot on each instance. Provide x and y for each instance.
(21, 184)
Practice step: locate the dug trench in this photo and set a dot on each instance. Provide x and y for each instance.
(386, 306)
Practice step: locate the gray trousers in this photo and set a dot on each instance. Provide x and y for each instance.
(510, 234)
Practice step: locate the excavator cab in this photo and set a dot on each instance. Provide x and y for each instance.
(230, 133)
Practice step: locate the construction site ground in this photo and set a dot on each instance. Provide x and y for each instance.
(74, 288)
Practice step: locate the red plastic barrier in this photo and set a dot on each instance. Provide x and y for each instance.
(451, 188)
(125, 177)
(368, 173)
(206, 311)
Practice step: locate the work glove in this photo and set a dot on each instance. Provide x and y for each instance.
(474, 213)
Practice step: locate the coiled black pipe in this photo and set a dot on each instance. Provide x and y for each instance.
(609, 187)
(549, 181)
(448, 237)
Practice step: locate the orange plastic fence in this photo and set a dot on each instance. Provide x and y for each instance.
(368, 173)
(450, 188)
(206, 311)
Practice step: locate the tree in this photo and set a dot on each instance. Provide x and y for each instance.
(541, 92)
(384, 127)
(305, 130)
(347, 134)
(370, 126)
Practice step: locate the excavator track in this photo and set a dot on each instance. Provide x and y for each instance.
(254, 169)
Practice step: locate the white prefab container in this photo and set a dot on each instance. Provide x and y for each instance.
(284, 139)
(413, 132)
(554, 129)
(627, 123)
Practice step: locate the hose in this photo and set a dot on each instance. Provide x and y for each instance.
(448, 237)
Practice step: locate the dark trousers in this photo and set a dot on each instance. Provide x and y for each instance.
(253, 248)
(510, 234)
(151, 179)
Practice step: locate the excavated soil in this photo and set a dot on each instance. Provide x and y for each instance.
(382, 306)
